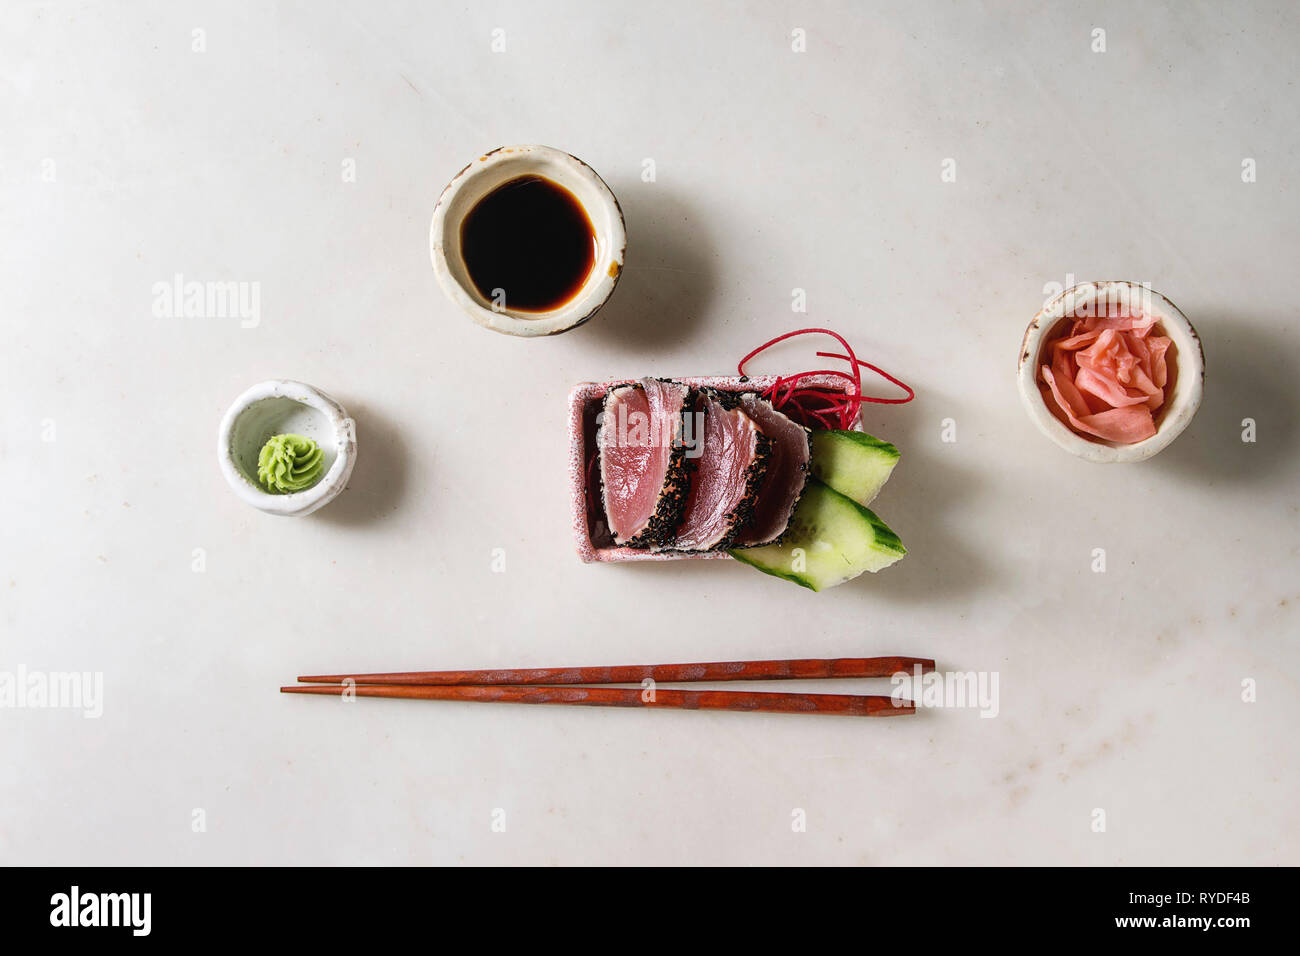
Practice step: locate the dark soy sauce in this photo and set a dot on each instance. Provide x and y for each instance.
(531, 238)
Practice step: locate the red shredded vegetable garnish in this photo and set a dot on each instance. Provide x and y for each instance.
(821, 404)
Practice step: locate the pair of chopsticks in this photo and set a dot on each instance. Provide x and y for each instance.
(547, 685)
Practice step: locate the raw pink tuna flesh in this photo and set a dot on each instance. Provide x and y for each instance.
(787, 472)
(730, 443)
(1107, 375)
(640, 427)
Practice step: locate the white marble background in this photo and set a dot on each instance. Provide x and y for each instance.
(127, 156)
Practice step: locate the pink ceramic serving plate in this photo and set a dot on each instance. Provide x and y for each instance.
(589, 531)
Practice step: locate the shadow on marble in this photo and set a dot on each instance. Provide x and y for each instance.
(379, 478)
(926, 490)
(1247, 375)
(668, 279)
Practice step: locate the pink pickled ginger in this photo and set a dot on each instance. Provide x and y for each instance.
(1108, 375)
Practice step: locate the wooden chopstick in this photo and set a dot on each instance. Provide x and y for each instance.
(805, 669)
(851, 705)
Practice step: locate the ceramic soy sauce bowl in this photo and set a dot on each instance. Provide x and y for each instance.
(1183, 391)
(279, 407)
(493, 170)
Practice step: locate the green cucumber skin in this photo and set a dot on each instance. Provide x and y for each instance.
(853, 463)
(739, 555)
(806, 532)
(863, 439)
(885, 537)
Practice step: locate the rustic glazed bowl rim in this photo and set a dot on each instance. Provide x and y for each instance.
(301, 502)
(1189, 382)
(493, 169)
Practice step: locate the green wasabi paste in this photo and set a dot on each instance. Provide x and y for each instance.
(289, 463)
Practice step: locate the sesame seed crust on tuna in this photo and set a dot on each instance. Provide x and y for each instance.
(755, 472)
(744, 509)
(803, 471)
(661, 528)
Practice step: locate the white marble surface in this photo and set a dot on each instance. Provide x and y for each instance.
(126, 157)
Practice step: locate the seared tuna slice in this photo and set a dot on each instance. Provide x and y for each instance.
(644, 471)
(733, 455)
(787, 471)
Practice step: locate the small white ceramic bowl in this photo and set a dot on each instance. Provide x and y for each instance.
(495, 169)
(279, 407)
(1187, 376)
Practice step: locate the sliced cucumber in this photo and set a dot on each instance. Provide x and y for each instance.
(853, 463)
(831, 539)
